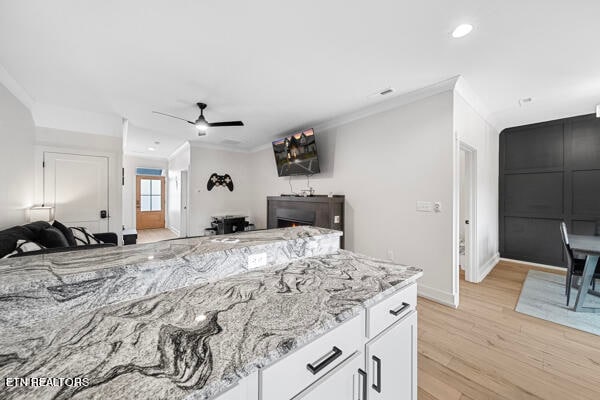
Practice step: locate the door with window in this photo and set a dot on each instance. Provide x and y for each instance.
(150, 202)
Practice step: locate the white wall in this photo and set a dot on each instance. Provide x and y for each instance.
(178, 162)
(17, 138)
(472, 129)
(130, 163)
(48, 139)
(384, 164)
(203, 203)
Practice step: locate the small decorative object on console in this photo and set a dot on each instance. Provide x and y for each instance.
(219, 180)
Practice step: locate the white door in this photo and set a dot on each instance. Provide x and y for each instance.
(77, 187)
(183, 232)
(344, 382)
(392, 362)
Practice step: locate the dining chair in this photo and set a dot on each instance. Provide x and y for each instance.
(574, 265)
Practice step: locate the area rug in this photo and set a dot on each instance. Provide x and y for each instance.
(543, 296)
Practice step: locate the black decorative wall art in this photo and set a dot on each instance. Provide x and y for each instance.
(219, 180)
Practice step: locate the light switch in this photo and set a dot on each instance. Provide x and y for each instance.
(336, 219)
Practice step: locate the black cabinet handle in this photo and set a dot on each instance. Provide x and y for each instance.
(363, 394)
(324, 361)
(377, 386)
(400, 309)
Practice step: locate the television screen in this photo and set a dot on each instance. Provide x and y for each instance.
(296, 154)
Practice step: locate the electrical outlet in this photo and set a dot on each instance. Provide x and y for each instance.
(257, 260)
(437, 206)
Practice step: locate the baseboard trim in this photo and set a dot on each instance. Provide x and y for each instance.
(553, 267)
(175, 231)
(486, 268)
(439, 296)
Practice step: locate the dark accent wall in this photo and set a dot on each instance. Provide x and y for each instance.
(549, 172)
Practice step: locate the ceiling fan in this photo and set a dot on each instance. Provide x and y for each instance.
(201, 123)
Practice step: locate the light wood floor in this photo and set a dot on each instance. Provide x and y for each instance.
(486, 350)
(154, 235)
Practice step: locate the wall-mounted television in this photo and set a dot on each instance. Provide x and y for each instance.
(297, 154)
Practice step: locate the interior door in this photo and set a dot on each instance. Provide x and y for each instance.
(77, 187)
(150, 202)
(392, 362)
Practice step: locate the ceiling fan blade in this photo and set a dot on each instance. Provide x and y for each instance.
(229, 123)
(173, 116)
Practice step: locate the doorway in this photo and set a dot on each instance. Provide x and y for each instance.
(150, 202)
(467, 243)
(77, 187)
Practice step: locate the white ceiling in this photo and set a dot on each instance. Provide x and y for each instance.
(280, 65)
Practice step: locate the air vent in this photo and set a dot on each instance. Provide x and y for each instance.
(382, 92)
(230, 142)
(387, 91)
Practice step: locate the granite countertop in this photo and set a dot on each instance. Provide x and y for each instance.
(196, 341)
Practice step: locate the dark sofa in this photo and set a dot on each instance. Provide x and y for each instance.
(33, 232)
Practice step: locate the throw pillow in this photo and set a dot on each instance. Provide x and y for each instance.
(25, 246)
(52, 237)
(84, 237)
(66, 232)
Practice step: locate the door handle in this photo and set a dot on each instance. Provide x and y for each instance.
(103, 214)
(400, 309)
(324, 361)
(362, 393)
(467, 222)
(377, 368)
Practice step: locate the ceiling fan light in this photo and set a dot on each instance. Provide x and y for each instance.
(202, 126)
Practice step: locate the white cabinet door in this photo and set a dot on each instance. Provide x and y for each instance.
(77, 187)
(391, 360)
(344, 382)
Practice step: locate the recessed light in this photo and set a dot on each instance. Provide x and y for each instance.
(151, 149)
(462, 30)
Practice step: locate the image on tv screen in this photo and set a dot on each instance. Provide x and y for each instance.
(297, 154)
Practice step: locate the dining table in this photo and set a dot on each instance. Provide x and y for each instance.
(589, 246)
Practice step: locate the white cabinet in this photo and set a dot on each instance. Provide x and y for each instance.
(391, 360)
(345, 382)
(308, 364)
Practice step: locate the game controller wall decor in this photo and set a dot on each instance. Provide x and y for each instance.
(220, 180)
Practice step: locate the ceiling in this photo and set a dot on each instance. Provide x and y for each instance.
(280, 65)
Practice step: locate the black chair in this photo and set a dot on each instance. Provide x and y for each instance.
(574, 265)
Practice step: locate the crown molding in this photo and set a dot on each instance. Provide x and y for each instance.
(399, 100)
(464, 90)
(16, 89)
(182, 147)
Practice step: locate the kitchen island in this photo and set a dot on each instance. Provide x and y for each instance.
(231, 335)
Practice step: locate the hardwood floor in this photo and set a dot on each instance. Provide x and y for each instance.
(486, 350)
(154, 235)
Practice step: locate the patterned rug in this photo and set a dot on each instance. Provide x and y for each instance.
(543, 296)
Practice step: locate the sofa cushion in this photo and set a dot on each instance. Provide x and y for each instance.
(66, 232)
(52, 237)
(25, 246)
(9, 238)
(36, 227)
(83, 236)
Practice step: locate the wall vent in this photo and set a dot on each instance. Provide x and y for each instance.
(387, 91)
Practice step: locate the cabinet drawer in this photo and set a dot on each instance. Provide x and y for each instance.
(300, 369)
(390, 310)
